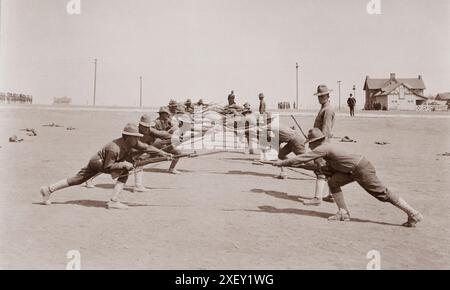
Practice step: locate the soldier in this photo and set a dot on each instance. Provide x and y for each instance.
(293, 142)
(188, 106)
(262, 104)
(346, 168)
(232, 107)
(164, 123)
(172, 107)
(115, 156)
(201, 103)
(325, 122)
(151, 136)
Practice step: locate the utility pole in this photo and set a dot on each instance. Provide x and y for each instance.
(95, 79)
(296, 71)
(339, 82)
(140, 91)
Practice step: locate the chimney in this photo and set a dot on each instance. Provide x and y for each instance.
(392, 76)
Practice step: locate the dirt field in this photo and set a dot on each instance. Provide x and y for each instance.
(222, 212)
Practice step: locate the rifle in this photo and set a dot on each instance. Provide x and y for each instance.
(298, 125)
(316, 169)
(302, 166)
(146, 161)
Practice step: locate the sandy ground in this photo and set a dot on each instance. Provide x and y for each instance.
(222, 212)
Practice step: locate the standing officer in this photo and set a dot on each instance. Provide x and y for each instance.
(262, 104)
(324, 122)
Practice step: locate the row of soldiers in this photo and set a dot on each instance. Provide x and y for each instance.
(12, 98)
(333, 166)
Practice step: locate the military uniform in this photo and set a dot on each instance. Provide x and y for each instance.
(325, 120)
(115, 156)
(346, 168)
(110, 158)
(295, 142)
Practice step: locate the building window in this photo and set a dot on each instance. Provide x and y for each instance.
(401, 93)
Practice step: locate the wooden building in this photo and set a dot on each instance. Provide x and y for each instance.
(394, 94)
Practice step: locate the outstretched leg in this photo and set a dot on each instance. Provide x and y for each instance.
(368, 179)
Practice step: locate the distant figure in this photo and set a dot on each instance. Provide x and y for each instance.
(172, 107)
(351, 102)
(188, 106)
(232, 107)
(262, 104)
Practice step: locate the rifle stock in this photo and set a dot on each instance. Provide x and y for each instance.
(141, 163)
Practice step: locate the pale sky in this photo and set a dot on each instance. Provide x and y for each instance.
(205, 48)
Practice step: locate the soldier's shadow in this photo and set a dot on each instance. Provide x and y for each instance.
(281, 195)
(126, 188)
(92, 203)
(297, 211)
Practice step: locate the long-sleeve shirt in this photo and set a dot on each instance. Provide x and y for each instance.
(163, 125)
(337, 159)
(117, 151)
(262, 107)
(325, 120)
(153, 134)
(285, 133)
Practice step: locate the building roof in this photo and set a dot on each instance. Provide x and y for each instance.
(382, 84)
(443, 96)
(392, 86)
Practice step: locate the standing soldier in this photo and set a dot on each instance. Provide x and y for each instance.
(115, 156)
(351, 102)
(262, 104)
(325, 122)
(346, 168)
(232, 107)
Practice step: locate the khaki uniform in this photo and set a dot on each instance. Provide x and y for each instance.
(325, 120)
(107, 160)
(346, 168)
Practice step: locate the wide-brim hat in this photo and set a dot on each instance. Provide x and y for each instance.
(131, 130)
(173, 103)
(314, 134)
(164, 110)
(145, 121)
(322, 90)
